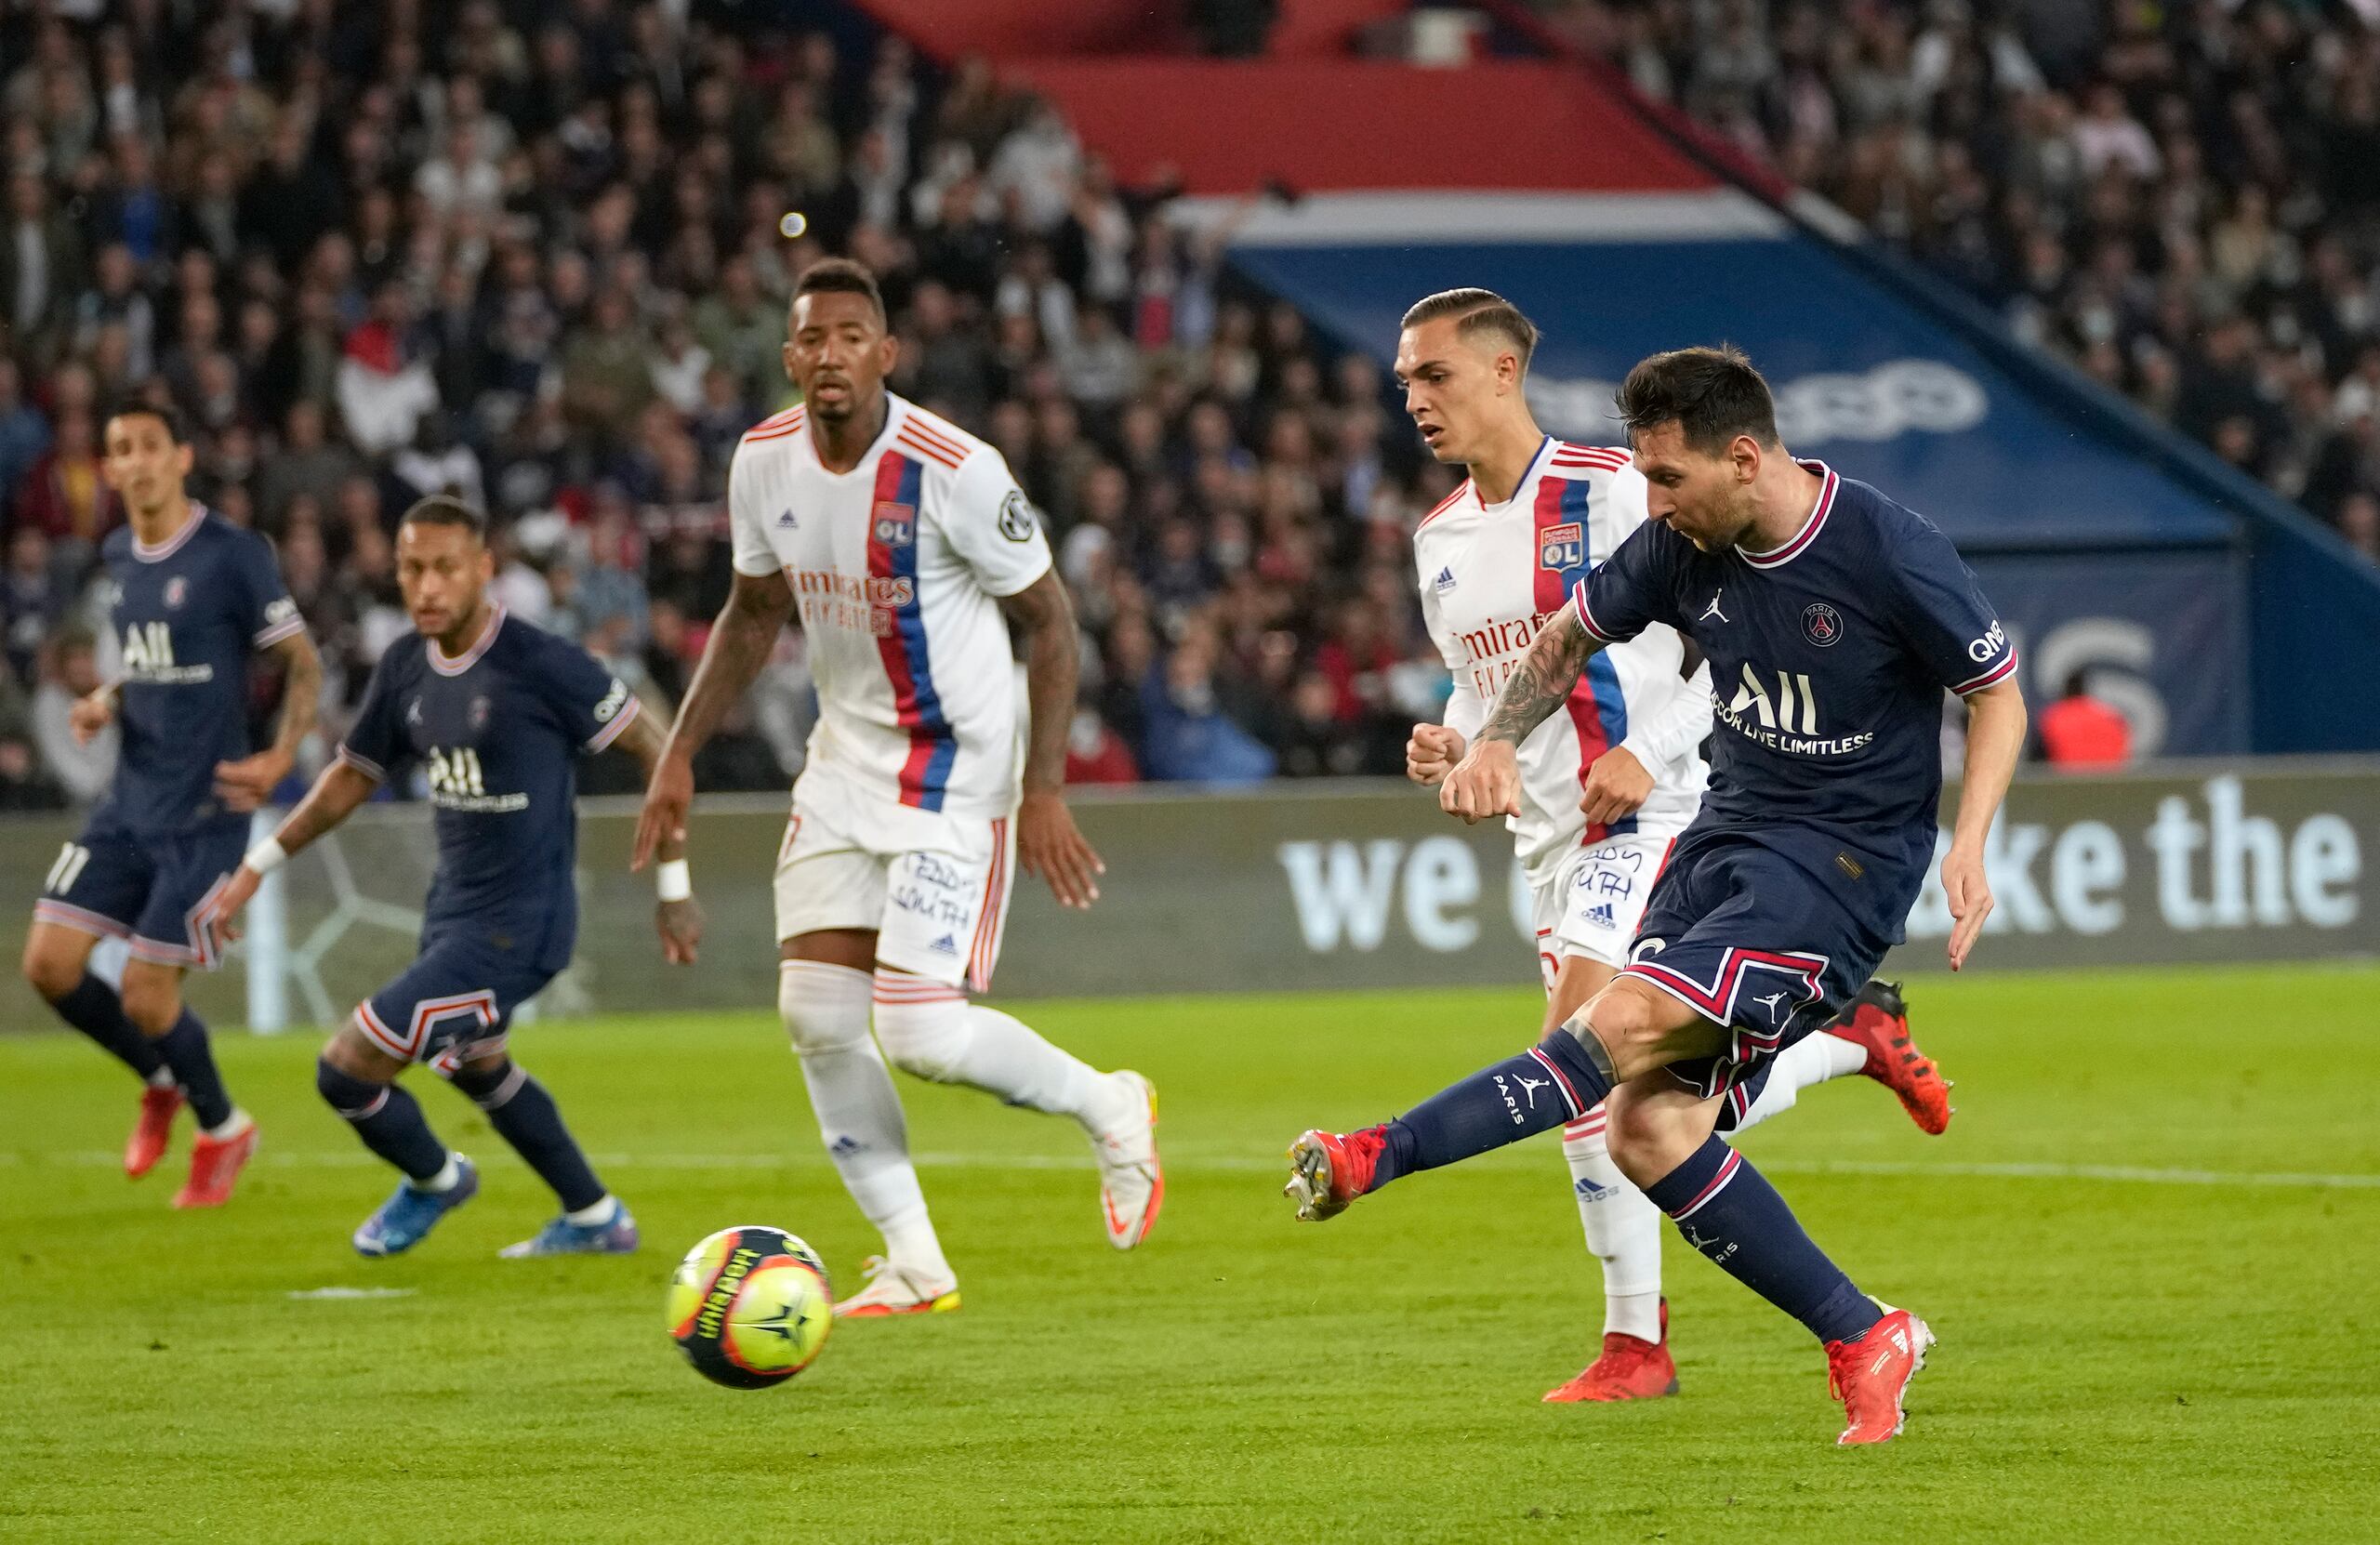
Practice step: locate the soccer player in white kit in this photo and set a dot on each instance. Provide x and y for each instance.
(1607, 784)
(905, 546)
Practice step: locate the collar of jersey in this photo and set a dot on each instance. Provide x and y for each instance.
(1777, 557)
(1544, 449)
(893, 410)
(470, 657)
(173, 544)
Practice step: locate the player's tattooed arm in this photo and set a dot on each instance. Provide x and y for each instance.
(1542, 681)
(342, 786)
(1046, 841)
(245, 785)
(741, 640)
(1486, 783)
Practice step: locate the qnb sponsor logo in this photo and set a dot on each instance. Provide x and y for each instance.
(1896, 398)
(2209, 864)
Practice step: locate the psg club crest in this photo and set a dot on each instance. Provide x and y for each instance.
(176, 591)
(895, 525)
(1821, 624)
(1561, 547)
(478, 716)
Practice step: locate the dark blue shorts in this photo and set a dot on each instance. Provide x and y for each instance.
(1746, 938)
(453, 1005)
(154, 891)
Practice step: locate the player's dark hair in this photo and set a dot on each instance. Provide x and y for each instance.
(1481, 311)
(840, 276)
(444, 510)
(1712, 394)
(141, 407)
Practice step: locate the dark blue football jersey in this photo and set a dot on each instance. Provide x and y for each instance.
(498, 730)
(1828, 657)
(189, 612)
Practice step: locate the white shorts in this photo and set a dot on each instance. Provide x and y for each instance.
(1594, 899)
(937, 907)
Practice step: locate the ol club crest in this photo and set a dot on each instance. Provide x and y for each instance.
(895, 525)
(1561, 547)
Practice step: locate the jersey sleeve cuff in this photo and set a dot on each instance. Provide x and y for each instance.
(288, 628)
(1999, 672)
(1049, 565)
(1587, 616)
(362, 763)
(621, 720)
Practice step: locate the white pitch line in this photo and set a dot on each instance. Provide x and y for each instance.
(1227, 1164)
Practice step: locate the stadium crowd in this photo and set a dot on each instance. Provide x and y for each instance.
(2183, 199)
(370, 258)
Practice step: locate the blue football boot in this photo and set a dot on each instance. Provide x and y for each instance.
(563, 1238)
(412, 1212)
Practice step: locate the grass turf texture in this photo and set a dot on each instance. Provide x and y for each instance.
(2159, 1361)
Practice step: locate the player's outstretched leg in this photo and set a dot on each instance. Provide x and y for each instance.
(930, 1029)
(1624, 1233)
(57, 966)
(1728, 1210)
(1556, 1081)
(227, 1138)
(826, 1012)
(593, 1221)
(391, 1123)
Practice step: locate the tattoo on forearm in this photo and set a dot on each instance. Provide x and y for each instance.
(1541, 680)
(301, 693)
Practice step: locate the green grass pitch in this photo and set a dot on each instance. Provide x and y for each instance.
(2150, 1244)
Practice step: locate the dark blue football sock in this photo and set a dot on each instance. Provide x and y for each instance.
(387, 1118)
(94, 1008)
(184, 1049)
(525, 1115)
(1554, 1081)
(1730, 1212)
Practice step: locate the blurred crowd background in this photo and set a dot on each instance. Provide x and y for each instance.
(531, 253)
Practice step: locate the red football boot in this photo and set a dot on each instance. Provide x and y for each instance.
(1878, 1020)
(147, 1144)
(1630, 1369)
(1329, 1171)
(215, 1166)
(1871, 1374)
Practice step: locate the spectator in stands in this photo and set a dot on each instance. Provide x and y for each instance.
(2080, 732)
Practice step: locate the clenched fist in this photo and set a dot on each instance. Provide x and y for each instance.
(1432, 752)
(1484, 783)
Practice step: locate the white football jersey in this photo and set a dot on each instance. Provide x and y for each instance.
(1493, 575)
(897, 568)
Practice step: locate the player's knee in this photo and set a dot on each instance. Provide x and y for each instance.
(151, 1002)
(823, 1006)
(922, 1026)
(489, 1085)
(1650, 1138)
(352, 1097)
(1626, 1019)
(51, 971)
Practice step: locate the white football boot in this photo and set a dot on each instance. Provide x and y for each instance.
(897, 1290)
(1131, 1182)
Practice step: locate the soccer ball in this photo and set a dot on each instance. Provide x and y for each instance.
(750, 1307)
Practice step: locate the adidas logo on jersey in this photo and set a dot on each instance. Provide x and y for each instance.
(787, 522)
(947, 945)
(1446, 580)
(1601, 915)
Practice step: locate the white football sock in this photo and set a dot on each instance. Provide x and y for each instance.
(1812, 1060)
(602, 1210)
(233, 1126)
(1624, 1230)
(825, 1009)
(449, 1176)
(933, 1031)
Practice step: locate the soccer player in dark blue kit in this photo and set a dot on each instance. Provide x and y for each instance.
(193, 598)
(498, 712)
(1833, 620)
